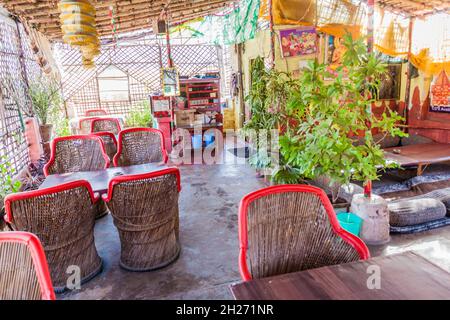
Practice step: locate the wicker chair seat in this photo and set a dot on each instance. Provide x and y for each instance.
(140, 146)
(63, 218)
(145, 212)
(24, 271)
(76, 153)
(287, 228)
(411, 212)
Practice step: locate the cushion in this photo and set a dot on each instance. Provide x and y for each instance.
(443, 195)
(421, 227)
(415, 139)
(408, 212)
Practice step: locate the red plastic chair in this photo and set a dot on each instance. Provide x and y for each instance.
(96, 112)
(106, 124)
(24, 273)
(289, 228)
(77, 153)
(139, 146)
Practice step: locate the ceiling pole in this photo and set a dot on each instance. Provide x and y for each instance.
(408, 73)
(272, 35)
(370, 24)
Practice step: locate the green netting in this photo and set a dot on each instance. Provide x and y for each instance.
(235, 27)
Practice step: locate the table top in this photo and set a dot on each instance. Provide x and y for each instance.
(403, 276)
(99, 180)
(425, 153)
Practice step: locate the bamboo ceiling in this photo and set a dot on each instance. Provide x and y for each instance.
(130, 15)
(415, 8)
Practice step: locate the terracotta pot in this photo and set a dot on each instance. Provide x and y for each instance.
(46, 132)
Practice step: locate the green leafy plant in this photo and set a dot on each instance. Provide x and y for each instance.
(46, 100)
(140, 116)
(327, 117)
(267, 98)
(7, 184)
(62, 127)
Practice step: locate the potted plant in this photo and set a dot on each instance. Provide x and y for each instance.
(7, 185)
(267, 99)
(140, 116)
(46, 99)
(329, 115)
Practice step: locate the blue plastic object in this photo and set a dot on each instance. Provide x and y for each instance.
(350, 222)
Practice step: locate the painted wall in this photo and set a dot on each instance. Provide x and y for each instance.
(260, 46)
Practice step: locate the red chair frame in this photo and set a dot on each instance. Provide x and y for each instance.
(106, 133)
(38, 256)
(82, 137)
(40, 192)
(95, 110)
(351, 239)
(86, 119)
(123, 132)
(108, 119)
(116, 180)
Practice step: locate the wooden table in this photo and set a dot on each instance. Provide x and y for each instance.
(99, 180)
(403, 276)
(420, 155)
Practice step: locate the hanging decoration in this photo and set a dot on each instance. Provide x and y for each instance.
(440, 94)
(112, 14)
(79, 30)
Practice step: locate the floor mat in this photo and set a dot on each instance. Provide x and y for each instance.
(422, 227)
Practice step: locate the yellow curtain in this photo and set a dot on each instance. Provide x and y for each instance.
(339, 30)
(290, 12)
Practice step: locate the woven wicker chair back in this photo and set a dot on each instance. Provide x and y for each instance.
(290, 232)
(74, 155)
(93, 113)
(139, 147)
(110, 144)
(64, 222)
(146, 214)
(108, 125)
(23, 269)
(85, 125)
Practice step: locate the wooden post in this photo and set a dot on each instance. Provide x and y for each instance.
(408, 74)
(272, 35)
(370, 24)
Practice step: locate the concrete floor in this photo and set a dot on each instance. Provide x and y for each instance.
(208, 263)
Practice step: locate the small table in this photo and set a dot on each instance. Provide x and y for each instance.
(420, 155)
(99, 180)
(403, 276)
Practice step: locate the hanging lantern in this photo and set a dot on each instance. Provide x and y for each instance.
(77, 19)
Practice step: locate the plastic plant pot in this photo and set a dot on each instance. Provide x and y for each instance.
(350, 222)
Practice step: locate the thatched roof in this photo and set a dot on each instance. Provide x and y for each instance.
(130, 15)
(415, 8)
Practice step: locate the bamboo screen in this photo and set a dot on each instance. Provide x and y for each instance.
(137, 68)
(17, 68)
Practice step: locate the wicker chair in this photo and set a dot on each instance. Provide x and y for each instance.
(85, 124)
(106, 124)
(145, 211)
(63, 217)
(290, 228)
(110, 143)
(96, 112)
(77, 153)
(24, 271)
(139, 146)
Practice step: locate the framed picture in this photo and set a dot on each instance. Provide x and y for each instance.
(170, 82)
(334, 54)
(440, 93)
(298, 42)
(389, 88)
